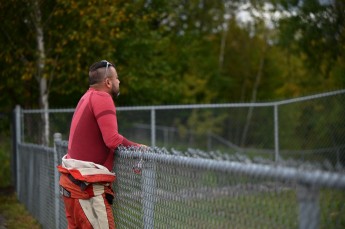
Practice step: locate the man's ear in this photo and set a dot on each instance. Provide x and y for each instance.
(108, 82)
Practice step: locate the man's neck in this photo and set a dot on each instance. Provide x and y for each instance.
(98, 87)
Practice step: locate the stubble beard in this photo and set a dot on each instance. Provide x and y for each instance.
(115, 92)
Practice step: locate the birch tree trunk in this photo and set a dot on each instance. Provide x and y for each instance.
(254, 94)
(222, 48)
(228, 14)
(42, 79)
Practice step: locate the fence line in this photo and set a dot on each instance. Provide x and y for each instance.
(198, 106)
(305, 124)
(316, 177)
(202, 190)
(265, 183)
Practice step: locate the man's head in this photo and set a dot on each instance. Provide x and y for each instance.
(103, 76)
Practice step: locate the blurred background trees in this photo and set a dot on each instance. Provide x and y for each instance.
(170, 51)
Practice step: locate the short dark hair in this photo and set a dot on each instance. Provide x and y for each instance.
(96, 75)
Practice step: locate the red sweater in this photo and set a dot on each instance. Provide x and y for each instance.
(94, 132)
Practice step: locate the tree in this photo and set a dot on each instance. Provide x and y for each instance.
(51, 43)
(31, 21)
(167, 52)
(314, 32)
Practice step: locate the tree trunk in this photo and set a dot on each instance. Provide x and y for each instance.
(254, 93)
(224, 37)
(45, 114)
(44, 103)
(222, 49)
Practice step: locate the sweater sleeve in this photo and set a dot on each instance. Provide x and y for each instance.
(105, 114)
(126, 142)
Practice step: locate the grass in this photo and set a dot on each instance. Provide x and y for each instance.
(255, 210)
(14, 213)
(248, 211)
(5, 159)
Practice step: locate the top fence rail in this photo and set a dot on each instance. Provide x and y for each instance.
(196, 106)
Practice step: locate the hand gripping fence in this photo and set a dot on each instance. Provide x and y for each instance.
(193, 189)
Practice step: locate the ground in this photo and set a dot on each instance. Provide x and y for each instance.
(2, 222)
(13, 214)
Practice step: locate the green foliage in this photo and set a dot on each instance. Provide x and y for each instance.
(172, 52)
(169, 51)
(15, 213)
(5, 159)
(278, 209)
(315, 34)
(18, 86)
(162, 58)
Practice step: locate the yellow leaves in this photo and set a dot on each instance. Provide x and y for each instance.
(60, 46)
(8, 58)
(74, 35)
(194, 84)
(26, 76)
(30, 68)
(211, 37)
(115, 32)
(103, 21)
(289, 89)
(121, 17)
(74, 5)
(89, 23)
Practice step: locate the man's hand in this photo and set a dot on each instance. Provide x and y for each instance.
(137, 168)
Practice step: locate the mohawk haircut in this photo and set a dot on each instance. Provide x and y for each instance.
(96, 74)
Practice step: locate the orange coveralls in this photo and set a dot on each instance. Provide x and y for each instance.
(87, 194)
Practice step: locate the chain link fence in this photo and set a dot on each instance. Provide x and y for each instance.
(196, 189)
(309, 129)
(193, 189)
(35, 184)
(260, 165)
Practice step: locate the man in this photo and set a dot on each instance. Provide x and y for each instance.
(85, 181)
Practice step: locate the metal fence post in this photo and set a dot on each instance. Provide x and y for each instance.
(276, 134)
(57, 138)
(18, 137)
(153, 127)
(148, 189)
(309, 208)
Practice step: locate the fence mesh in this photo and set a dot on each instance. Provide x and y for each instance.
(35, 175)
(193, 189)
(60, 150)
(197, 189)
(168, 195)
(313, 130)
(269, 165)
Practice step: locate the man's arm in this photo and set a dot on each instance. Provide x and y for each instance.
(105, 113)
